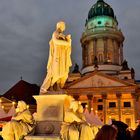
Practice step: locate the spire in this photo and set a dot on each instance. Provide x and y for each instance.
(76, 69)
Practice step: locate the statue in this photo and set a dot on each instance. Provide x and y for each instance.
(75, 126)
(59, 59)
(125, 65)
(132, 73)
(20, 125)
(76, 69)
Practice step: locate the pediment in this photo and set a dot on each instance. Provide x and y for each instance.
(98, 80)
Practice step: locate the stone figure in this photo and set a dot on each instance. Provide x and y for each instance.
(75, 126)
(125, 65)
(59, 59)
(76, 69)
(20, 125)
(132, 73)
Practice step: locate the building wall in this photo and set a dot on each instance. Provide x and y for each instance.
(104, 107)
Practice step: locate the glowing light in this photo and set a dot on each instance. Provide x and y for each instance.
(91, 109)
(96, 111)
(13, 103)
(109, 117)
(108, 60)
(0, 100)
(86, 106)
(79, 103)
(2, 107)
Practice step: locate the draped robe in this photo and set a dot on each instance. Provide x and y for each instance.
(20, 126)
(74, 128)
(58, 63)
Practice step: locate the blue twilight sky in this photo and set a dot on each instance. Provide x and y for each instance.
(26, 27)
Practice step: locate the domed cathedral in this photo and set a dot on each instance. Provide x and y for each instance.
(102, 41)
(105, 84)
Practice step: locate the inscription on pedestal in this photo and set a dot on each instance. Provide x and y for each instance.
(52, 112)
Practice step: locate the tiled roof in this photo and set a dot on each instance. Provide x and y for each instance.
(23, 91)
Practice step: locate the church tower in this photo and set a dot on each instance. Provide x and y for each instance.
(102, 40)
(106, 85)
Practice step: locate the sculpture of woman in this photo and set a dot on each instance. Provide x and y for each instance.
(75, 127)
(20, 125)
(59, 59)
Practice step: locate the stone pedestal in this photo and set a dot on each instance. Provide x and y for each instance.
(49, 117)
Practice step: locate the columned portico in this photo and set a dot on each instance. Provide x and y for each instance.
(107, 89)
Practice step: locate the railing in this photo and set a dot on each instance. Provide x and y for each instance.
(89, 31)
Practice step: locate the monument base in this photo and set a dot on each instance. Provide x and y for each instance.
(49, 116)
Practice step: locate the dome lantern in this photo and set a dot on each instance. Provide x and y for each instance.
(100, 8)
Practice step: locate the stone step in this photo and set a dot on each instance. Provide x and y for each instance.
(42, 138)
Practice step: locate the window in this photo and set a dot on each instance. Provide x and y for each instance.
(99, 22)
(84, 105)
(100, 57)
(112, 104)
(127, 104)
(125, 77)
(100, 107)
(109, 57)
(100, 100)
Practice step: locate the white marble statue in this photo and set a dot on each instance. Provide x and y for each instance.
(59, 59)
(21, 124)
(75, 126)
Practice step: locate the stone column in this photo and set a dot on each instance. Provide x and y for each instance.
(95, 47)
(86, 55)
(83, 55)
(104, 97)
(114, 52)
(135, 99)
(118, 94)
(105, 50)
(90, 97)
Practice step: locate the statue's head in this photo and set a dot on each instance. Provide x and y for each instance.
(60, 25)
(21, 106)
(74, 106)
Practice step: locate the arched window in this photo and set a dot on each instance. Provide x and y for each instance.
(100, 57)
(109, 57)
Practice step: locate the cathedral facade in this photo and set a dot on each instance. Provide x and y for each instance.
(106, 84)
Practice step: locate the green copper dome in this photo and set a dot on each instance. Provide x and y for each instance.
(101, 9)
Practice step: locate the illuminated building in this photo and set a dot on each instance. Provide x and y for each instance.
(106, 83)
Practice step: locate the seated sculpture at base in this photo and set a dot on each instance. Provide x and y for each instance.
(20, 125)
(74, 126)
